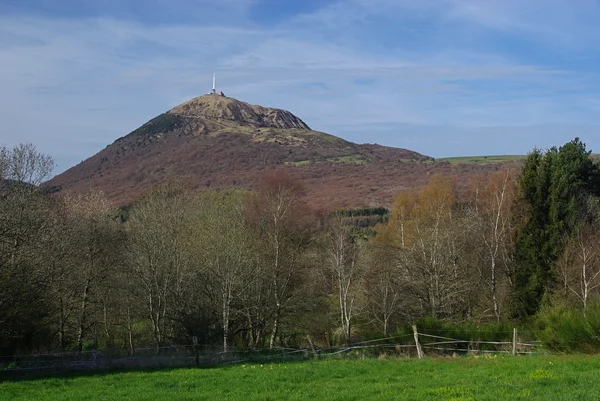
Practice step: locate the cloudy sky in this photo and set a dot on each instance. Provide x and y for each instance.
(442, 77)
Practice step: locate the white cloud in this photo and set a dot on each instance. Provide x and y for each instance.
(567, 23)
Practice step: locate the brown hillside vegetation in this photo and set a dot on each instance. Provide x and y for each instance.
(214, 141)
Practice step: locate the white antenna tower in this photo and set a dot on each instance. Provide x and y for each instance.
(214, 89)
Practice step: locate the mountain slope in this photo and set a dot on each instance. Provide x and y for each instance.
(216, 141)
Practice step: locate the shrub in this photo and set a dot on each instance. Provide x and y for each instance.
(566, 329)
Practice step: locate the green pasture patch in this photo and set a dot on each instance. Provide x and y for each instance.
(357, 159)
(482, 159)
(299, 163)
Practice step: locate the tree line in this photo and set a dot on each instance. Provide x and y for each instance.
(261, 269)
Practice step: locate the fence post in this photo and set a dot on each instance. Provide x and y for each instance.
(312, 346)
(417, 344)
(514, 342)
(196, 356)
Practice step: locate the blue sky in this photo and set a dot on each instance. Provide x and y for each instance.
(442, 77)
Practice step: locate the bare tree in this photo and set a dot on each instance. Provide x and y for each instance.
(158, 254)
(24, 231)
(61, 257)
(281, 222)
(96, 239)
(225, 254)
(583, 266)
(429, 240)
(384, 286)
(25, 164)
(492, 208)
(345, 270)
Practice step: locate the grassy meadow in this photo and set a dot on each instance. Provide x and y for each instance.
(495, 159)
(566, 377)
(482, 159)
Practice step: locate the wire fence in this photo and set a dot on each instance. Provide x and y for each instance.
(407, 345)
(469, 346)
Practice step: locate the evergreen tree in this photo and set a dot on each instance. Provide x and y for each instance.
(553, 185)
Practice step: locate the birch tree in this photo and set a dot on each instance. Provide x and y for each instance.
(428, 239)
(96, 239)
(384, 288)
(281, 222)
(158, 255)
(225, 254)
(346, 271)
(579, 266)
(492, 208)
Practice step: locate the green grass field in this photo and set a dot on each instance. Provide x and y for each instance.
(491, 159)
(573, 377)
(482, 159)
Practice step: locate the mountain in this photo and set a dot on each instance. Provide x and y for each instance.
(213, 141)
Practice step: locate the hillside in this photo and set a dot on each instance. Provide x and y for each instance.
(214, 141)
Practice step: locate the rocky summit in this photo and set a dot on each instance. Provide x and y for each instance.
(229, 110)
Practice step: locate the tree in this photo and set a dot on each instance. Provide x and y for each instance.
(24, 164)
(384, 287)
(553, 185)
(24, 231)
(345, 269)
(493, 217)
(225, 254)
(281, 223)
(97, 239)
(587, 261)
(579, 265)
(428, 237)
(159, 255)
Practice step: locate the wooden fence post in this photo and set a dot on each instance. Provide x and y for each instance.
(514, 342)
(312, 346)
(109, 354)
(417, 344)
(196, 356)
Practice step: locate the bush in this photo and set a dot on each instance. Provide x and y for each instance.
(501, 332)
(474, 334)
(566, 329)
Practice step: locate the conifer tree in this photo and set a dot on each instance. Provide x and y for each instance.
(553, 185)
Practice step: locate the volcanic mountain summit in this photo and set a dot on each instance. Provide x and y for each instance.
(229, 110)
(213, 141)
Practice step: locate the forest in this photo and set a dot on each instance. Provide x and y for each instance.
(263, 269)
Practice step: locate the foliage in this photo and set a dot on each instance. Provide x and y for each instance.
(553, 185)
(363, 220)
(372, 211)
(565, 329)
(123, 213)
(473, 332)
(430, 239)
